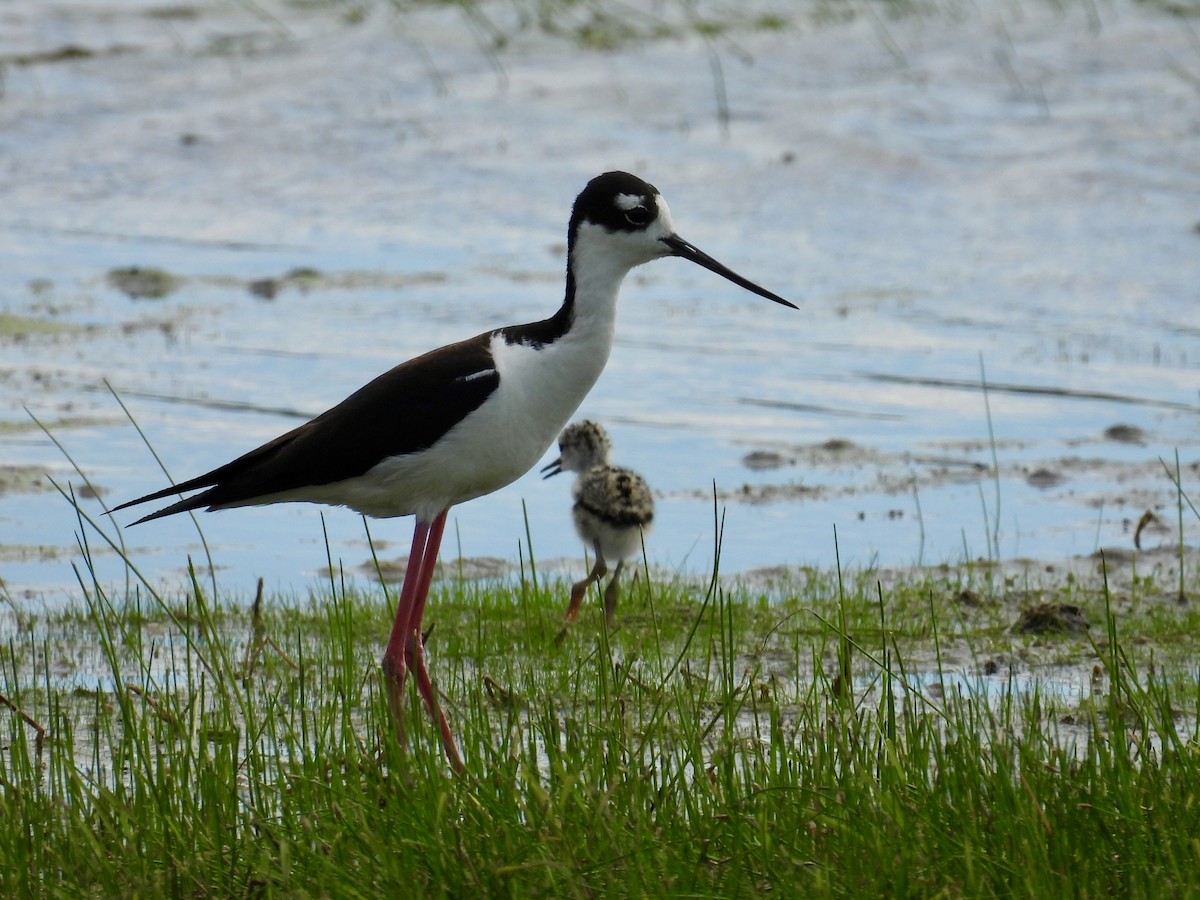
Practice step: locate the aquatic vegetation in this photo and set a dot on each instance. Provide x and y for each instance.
(821, 734)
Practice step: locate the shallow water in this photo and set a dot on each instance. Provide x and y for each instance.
(1004, 195)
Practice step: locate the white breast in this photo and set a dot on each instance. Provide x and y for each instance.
(500, 441)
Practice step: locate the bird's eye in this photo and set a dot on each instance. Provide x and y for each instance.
(638, 216)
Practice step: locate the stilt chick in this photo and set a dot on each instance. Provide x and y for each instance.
(613, 509)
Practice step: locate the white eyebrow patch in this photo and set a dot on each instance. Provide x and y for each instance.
(626, 202)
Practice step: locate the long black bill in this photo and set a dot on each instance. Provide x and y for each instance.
(680, 247)
(551, 470)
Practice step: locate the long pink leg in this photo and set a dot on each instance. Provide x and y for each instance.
(429, 557)
(414, 650)
(394, 664)
(405, 650)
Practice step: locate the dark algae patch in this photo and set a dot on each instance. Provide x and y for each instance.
(142, 282)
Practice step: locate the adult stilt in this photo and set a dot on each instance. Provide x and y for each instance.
(463, 420)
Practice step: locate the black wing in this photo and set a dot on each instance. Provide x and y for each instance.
(403, 411)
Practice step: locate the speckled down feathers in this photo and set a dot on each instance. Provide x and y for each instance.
(582, 445)
(613, 505)
(615, 496)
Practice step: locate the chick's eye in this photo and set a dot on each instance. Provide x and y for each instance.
(639, 216)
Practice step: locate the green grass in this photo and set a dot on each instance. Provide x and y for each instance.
(723, 741)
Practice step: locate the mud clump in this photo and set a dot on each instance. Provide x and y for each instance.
(761, 460)
(1125, 434)
(303, 278)
(1052, 618)
(142, 283)
(1044, 479)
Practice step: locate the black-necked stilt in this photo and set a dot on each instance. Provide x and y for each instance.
(463, 420)
(613, 509)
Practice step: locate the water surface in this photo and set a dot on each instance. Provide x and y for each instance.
(991, 198)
